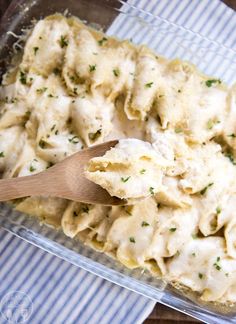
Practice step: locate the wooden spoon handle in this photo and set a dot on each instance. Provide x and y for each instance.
(23, 187)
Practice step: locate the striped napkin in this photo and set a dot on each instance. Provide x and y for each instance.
(37, 287)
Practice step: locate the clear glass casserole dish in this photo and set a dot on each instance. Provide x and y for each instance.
(166, 39)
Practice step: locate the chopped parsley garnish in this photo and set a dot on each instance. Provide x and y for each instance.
(203, 191)
(200, 275)
(178, 130)
(74, 139)
(193, 254)
(94, 136)
(32, 168)
(116, 72)
(23, 77)
(52, 96)
(41, 90)
(101, 41)
(92, 68)
(132, 239)
(179, 91)
(149, 84)
(56, 132)
(218, 210)
(2, 154)
(231, 135)
(211, 123)
(53, 127)
(216, 264)
(172, 229)
(151, 190)
(42, 143)
(142, 171)
(209, 83)
(144, 224)
(63, 41)
(85, 209)
(231, 158)
(125, 179)
(35, 50)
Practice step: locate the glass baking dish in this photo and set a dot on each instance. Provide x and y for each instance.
(124, 21)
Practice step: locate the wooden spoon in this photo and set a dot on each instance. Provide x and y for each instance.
(65, 180)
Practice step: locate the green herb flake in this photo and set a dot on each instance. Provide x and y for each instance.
(194, 236)
(41, 90)
(125, 179)
(2, 154)
(209, 83)
(178, 130)
(92, 68)
(116, 72)
(210, 124)
(23, 77)
(35, 50)
(74, 140)
(149, 84)
(142, 171)
(85, 209)
(102, 41)
(231, 158)
(231, 135)
(200, 275)
(179, 91)
(218, 210)
(132, 239)
(63, 41)
(42, 143)
(204, 190)
(94, 136)
(151, 190)
(193, 254)
(32, 168)
(216, 264)
(53, 127)
(144, 224)
(172, 229)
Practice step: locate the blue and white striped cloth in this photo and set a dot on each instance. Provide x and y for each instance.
(60, 292)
